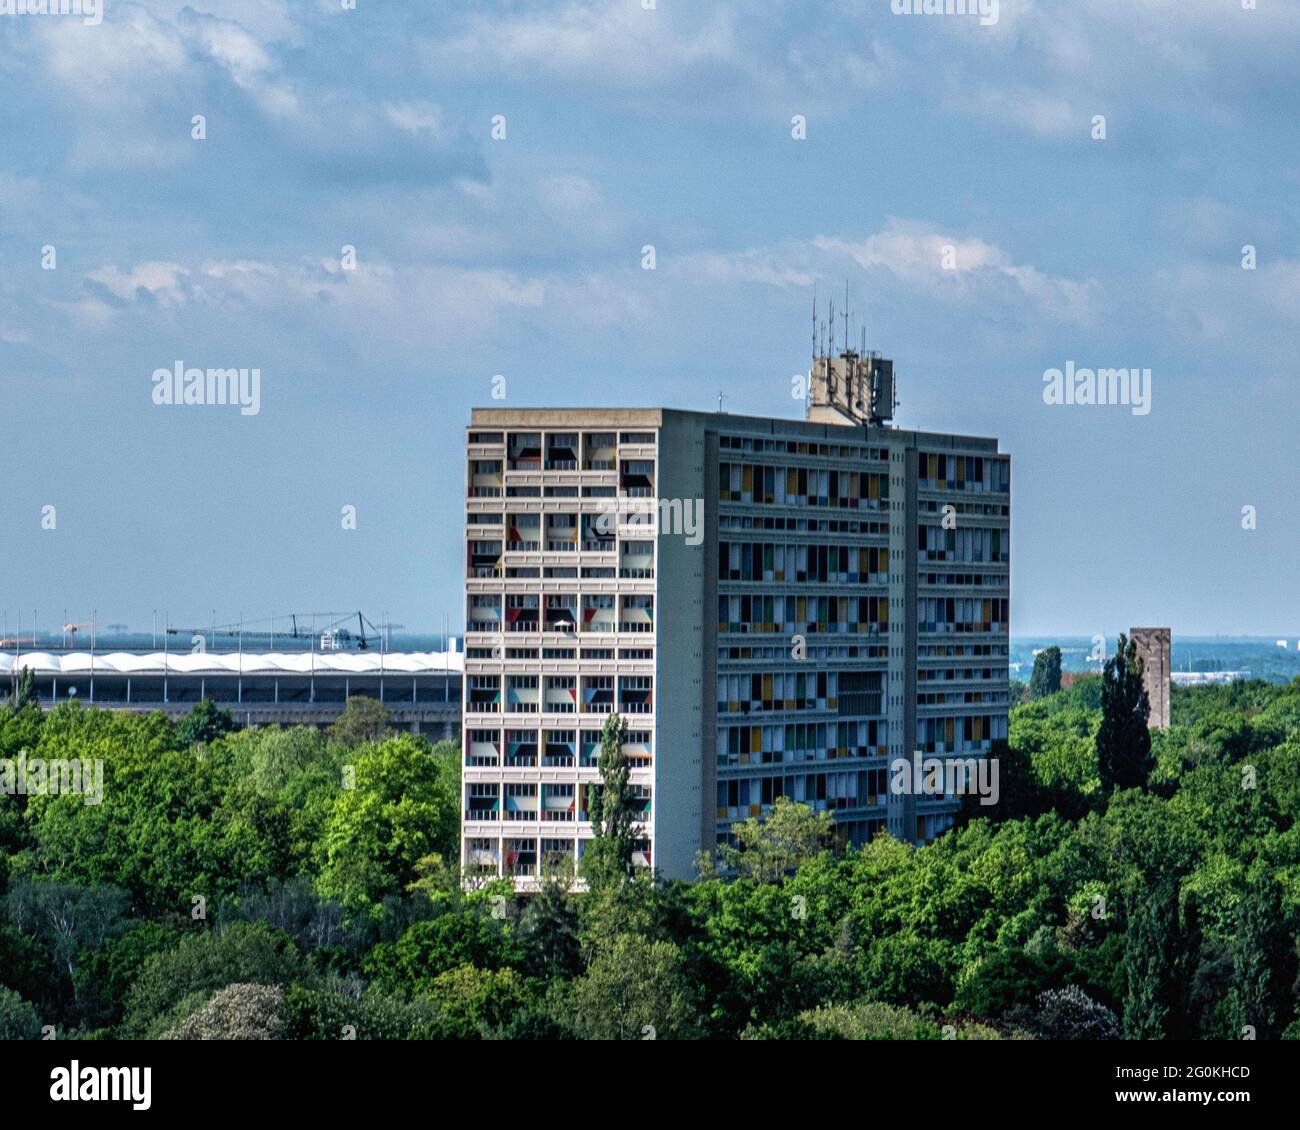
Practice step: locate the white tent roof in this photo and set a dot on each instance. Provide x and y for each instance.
(233, 663)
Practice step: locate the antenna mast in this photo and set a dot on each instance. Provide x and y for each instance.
(847, 343)
(814, 325)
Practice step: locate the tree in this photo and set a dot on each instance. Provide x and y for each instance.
(363, 720)
(608, 857)
(237, 1012)
(636, 989)
(403, 805)
(170, 824)
(1264, 956)
(477, 1003)
(768, 849)
(1123, 740)
(204, 724)
(1161, 948)
(68, 919)
(868, 1020)
(174, 984)
(1008, 982)
(24, 689)
(18, 1019)
(548, 930)
(1070, 1014)
(1046, 678)
(428, 949)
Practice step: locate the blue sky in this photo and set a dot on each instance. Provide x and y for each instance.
(522, 257)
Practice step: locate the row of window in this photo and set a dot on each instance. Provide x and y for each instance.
(961, 614)
(959, 735)
(549, 748)
(489, 486)
(560, 572)
(817, 652)
(967, 580)
(801, 741)
(798, 447)
(746, 797)
(560, 612)
(849, 692)
(636, 478)
(564, 451)
(953, 674)
(964, 509)
(559, 694)
(558, 802)
(798, 614)
(526, 654)
(962, 472)
(802, 486)
(802, 525)
(960, 650)
(971, 544)
(802, 564)
(962, 698)
(529, 857)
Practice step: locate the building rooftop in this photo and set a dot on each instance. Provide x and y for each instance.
(588, 417)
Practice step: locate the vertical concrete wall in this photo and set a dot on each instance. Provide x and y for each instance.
(1154, 646)
(680, 685)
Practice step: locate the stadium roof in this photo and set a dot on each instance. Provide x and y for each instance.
(235, 663)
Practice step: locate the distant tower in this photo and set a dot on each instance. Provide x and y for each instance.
(1153, 648)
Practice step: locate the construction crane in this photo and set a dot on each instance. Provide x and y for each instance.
(70, 631)
(330, 626)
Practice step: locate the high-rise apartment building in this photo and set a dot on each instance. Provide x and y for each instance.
(776, 607)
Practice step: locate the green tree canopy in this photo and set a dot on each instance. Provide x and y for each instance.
(362, 720)
(404, 805)
(1046, 677)
(1123, 741)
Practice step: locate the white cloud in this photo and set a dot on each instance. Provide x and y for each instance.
(764, 266)
(416, 117)
(164, 283)
(984, 280)
(619, 43)
(916, 254)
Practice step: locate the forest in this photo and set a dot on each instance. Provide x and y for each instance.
(293, 884)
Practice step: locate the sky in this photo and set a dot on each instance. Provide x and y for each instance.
(500, 169)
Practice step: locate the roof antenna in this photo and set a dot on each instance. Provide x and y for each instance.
(847, 341)
(814, 324)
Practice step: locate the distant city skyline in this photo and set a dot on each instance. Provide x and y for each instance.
(382, 210)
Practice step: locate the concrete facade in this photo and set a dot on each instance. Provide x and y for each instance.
(842, 601)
